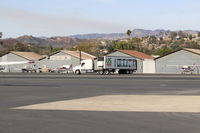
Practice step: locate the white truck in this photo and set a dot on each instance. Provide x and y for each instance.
(107, 65)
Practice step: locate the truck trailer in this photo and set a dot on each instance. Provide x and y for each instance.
(107, 65)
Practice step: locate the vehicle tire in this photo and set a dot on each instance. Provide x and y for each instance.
(106, 72)
(101, 72)
(131, 71)
(122, 71)
(78, 72)
(127, 71)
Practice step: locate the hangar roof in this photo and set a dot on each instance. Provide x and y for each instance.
(76, 54)
(136, 54)
(194, 51)
(28, 55)
(84, 55)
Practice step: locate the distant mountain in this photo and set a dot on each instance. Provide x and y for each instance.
(135, 33)
(100, 36)
(70, 41)
(113, 36)
(65, 42)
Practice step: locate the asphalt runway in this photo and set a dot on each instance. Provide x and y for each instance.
(17, 90)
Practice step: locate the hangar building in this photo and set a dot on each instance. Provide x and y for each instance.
(172, 62)
(145, 63)
(18, 56)
(64, 57)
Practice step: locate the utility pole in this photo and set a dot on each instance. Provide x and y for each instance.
(80, 56)
(1, 34)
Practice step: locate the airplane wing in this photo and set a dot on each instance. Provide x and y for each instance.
(14, 62)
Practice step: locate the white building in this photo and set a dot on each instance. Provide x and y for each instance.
(14, 56)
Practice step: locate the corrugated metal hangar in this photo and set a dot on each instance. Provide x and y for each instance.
(19, 56)
(173, 62)
(64, 57)
(170, 63)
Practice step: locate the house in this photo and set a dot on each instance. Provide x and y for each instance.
(18, 56)
(145, 63)
(65, 57)
(172, 62)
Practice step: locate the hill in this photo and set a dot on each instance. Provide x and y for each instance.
(135, 33)
(65, 42)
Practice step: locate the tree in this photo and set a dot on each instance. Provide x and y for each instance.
(163, 51)
(22, 47)
(152, 39)
(128, 33)
(198, 34)
(181, 34)
(88, 47)
(173, 35)
(190, 37)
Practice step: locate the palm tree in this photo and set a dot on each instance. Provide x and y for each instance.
(128, 33)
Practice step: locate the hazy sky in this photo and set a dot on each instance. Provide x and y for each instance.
(66, 17)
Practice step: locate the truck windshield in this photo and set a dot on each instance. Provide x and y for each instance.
(82, 64)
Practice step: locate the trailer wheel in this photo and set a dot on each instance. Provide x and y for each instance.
(131, 71)
(128, 72)
(77, 72)
(122, 71)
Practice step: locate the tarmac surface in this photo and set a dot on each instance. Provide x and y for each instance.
(21, 90)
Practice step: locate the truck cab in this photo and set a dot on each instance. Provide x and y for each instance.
(84, 67)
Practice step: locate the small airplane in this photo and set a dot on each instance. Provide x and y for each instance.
(187, 68)
(3, 64)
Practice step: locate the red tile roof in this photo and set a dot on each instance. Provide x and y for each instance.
(136, 54)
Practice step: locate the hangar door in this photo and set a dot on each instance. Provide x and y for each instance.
(148, 66)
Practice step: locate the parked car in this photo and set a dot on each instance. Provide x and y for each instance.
(63, 69)
(45, 70)
(29, 68)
